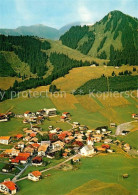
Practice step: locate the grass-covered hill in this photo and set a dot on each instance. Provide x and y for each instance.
(114, 37)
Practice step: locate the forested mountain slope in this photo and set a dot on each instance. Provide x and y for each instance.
(114, 37)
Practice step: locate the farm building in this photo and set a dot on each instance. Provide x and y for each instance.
(8, 187)
(5, 140)
(35, 176)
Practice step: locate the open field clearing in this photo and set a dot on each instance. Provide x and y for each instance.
(108, 169)
(20, 105)
(56, 46)
(99, 188)
(79, 76)
(64, 101)
(88, 103)
(55, 122)
(111, 100)
(7, 82)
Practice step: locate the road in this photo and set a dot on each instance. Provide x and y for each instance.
(122, 127)
(54, 167)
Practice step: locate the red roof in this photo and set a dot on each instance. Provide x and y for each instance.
(63, 117)
(64, 134)
(51, 136)
(39, 158)
(35, 145)
(106, 146)
(33, 134)
(78, 143)
(10, 185)
(24, 155)
(14, 161)
(19, 158)
(18, 136)
(27, 112)
(36, 173)
(65, 112)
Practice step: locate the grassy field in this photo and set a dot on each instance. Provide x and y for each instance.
(99, 188)
(79, 76)
(108, 169)
(56, 46)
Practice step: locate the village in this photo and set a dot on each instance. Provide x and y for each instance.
(34, 145)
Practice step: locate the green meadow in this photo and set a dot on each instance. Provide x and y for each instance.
(105, 168)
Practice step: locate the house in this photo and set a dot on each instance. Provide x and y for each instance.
(58, 145)
(127, 147)
(63, 118)
(8, 187)
(102, 129)
(22, 158)
(12, 152)
(36, 128)
(18, 136)
(101, 149)
(125, 132)
(8, 168)
(106, 146)
(76, 124)
(42, 150)
(83, 128)
(76, 158)
(51, 111)
(27, 138)
(20, 145)
(135, 116)
(3, 118)
(97, 138)
(35, 146)
(27, 114)
(29, 149)
(35, 176)
(112, 125)
(34, 139)
(25, 121)
(5, 140)
(87, 150)
(108, 141)
(37, 160)
(66, 114)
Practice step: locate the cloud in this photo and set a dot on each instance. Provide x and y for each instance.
(84, 13)
(23, 11)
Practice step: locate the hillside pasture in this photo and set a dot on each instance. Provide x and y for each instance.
(79, 76)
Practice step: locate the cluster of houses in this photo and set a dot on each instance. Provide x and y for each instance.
(28, 148)
(5, 117)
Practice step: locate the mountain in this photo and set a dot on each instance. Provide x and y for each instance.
(34, 30)
(40, 30)
(65, 28)
(114, 37)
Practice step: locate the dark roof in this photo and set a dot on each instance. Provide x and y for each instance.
(8, 166)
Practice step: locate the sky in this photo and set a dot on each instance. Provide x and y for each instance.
(57, 13)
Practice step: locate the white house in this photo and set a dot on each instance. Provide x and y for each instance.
(87, 150)
(27, 114)
(8, 187)
(4, 140)
(43, 149)
(51, 111)
(35, 176)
